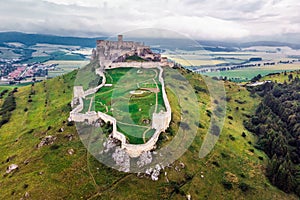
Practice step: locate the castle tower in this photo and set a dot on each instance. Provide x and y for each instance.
(120, 38)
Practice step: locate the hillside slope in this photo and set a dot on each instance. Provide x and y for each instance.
(65, 170)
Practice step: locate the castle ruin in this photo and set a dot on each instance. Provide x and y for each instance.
(113, 54)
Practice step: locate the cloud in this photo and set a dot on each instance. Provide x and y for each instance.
(218, 19)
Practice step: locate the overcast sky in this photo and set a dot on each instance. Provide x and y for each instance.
(199, 19)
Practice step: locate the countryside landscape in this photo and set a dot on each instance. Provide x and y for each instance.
(93, 105)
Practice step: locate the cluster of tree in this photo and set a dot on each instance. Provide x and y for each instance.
(277, 125)
(256, 78)
(3, 93)
(8, 106)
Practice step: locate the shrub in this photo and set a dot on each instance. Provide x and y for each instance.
(54, 147)
(244, 135)
(215, 163)
(70, 123)
(251, 150)
(244, 187)
(231, 137)
(227, 185)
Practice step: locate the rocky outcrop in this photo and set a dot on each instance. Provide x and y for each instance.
(11, 168)
(48, 140)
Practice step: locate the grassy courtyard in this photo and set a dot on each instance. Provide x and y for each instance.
(134, 96)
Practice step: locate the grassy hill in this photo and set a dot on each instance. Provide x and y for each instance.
(233, 170)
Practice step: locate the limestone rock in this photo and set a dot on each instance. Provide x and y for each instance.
(71, 151)
(69, 137)
(144, 159)
(188, 197)
(122, 159)
(156, 172)
(11, 168)
(48, 140)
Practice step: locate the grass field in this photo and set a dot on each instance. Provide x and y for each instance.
(130, 108)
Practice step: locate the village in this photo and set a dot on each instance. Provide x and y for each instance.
(12, 72)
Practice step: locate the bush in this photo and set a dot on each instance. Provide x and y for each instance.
(227, 185)
(70, 123)
(231, 137)
(244, 135)
(54, 147)
(244, 187)
(8, 106)
(251, 150)
(215, 163)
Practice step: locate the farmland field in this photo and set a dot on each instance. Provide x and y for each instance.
(65, 66)
(247, 74)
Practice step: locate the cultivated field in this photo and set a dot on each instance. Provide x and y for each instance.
(65, 66)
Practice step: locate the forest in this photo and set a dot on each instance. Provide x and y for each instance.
(276, 122)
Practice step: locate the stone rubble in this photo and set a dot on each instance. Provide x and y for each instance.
(154, 172)
(144, 159)
(108, 145)
(122, 159)
(69, 137)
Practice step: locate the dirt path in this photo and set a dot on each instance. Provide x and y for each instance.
(133, 125)
(144, 134)
(91, 103)
(156, 97)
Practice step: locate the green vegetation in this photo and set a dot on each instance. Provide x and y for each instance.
(51, 173)
(276, 123)
(8, 106)
(135, 58)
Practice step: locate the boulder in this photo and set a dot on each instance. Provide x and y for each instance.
(11, 168)
(71, 151)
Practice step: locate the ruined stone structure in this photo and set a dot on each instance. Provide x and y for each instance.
(106, 51)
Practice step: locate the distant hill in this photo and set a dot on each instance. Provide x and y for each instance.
(32, 39)
(185, 44)
(232, 45)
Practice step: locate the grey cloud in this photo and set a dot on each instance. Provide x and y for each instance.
(206, 19)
